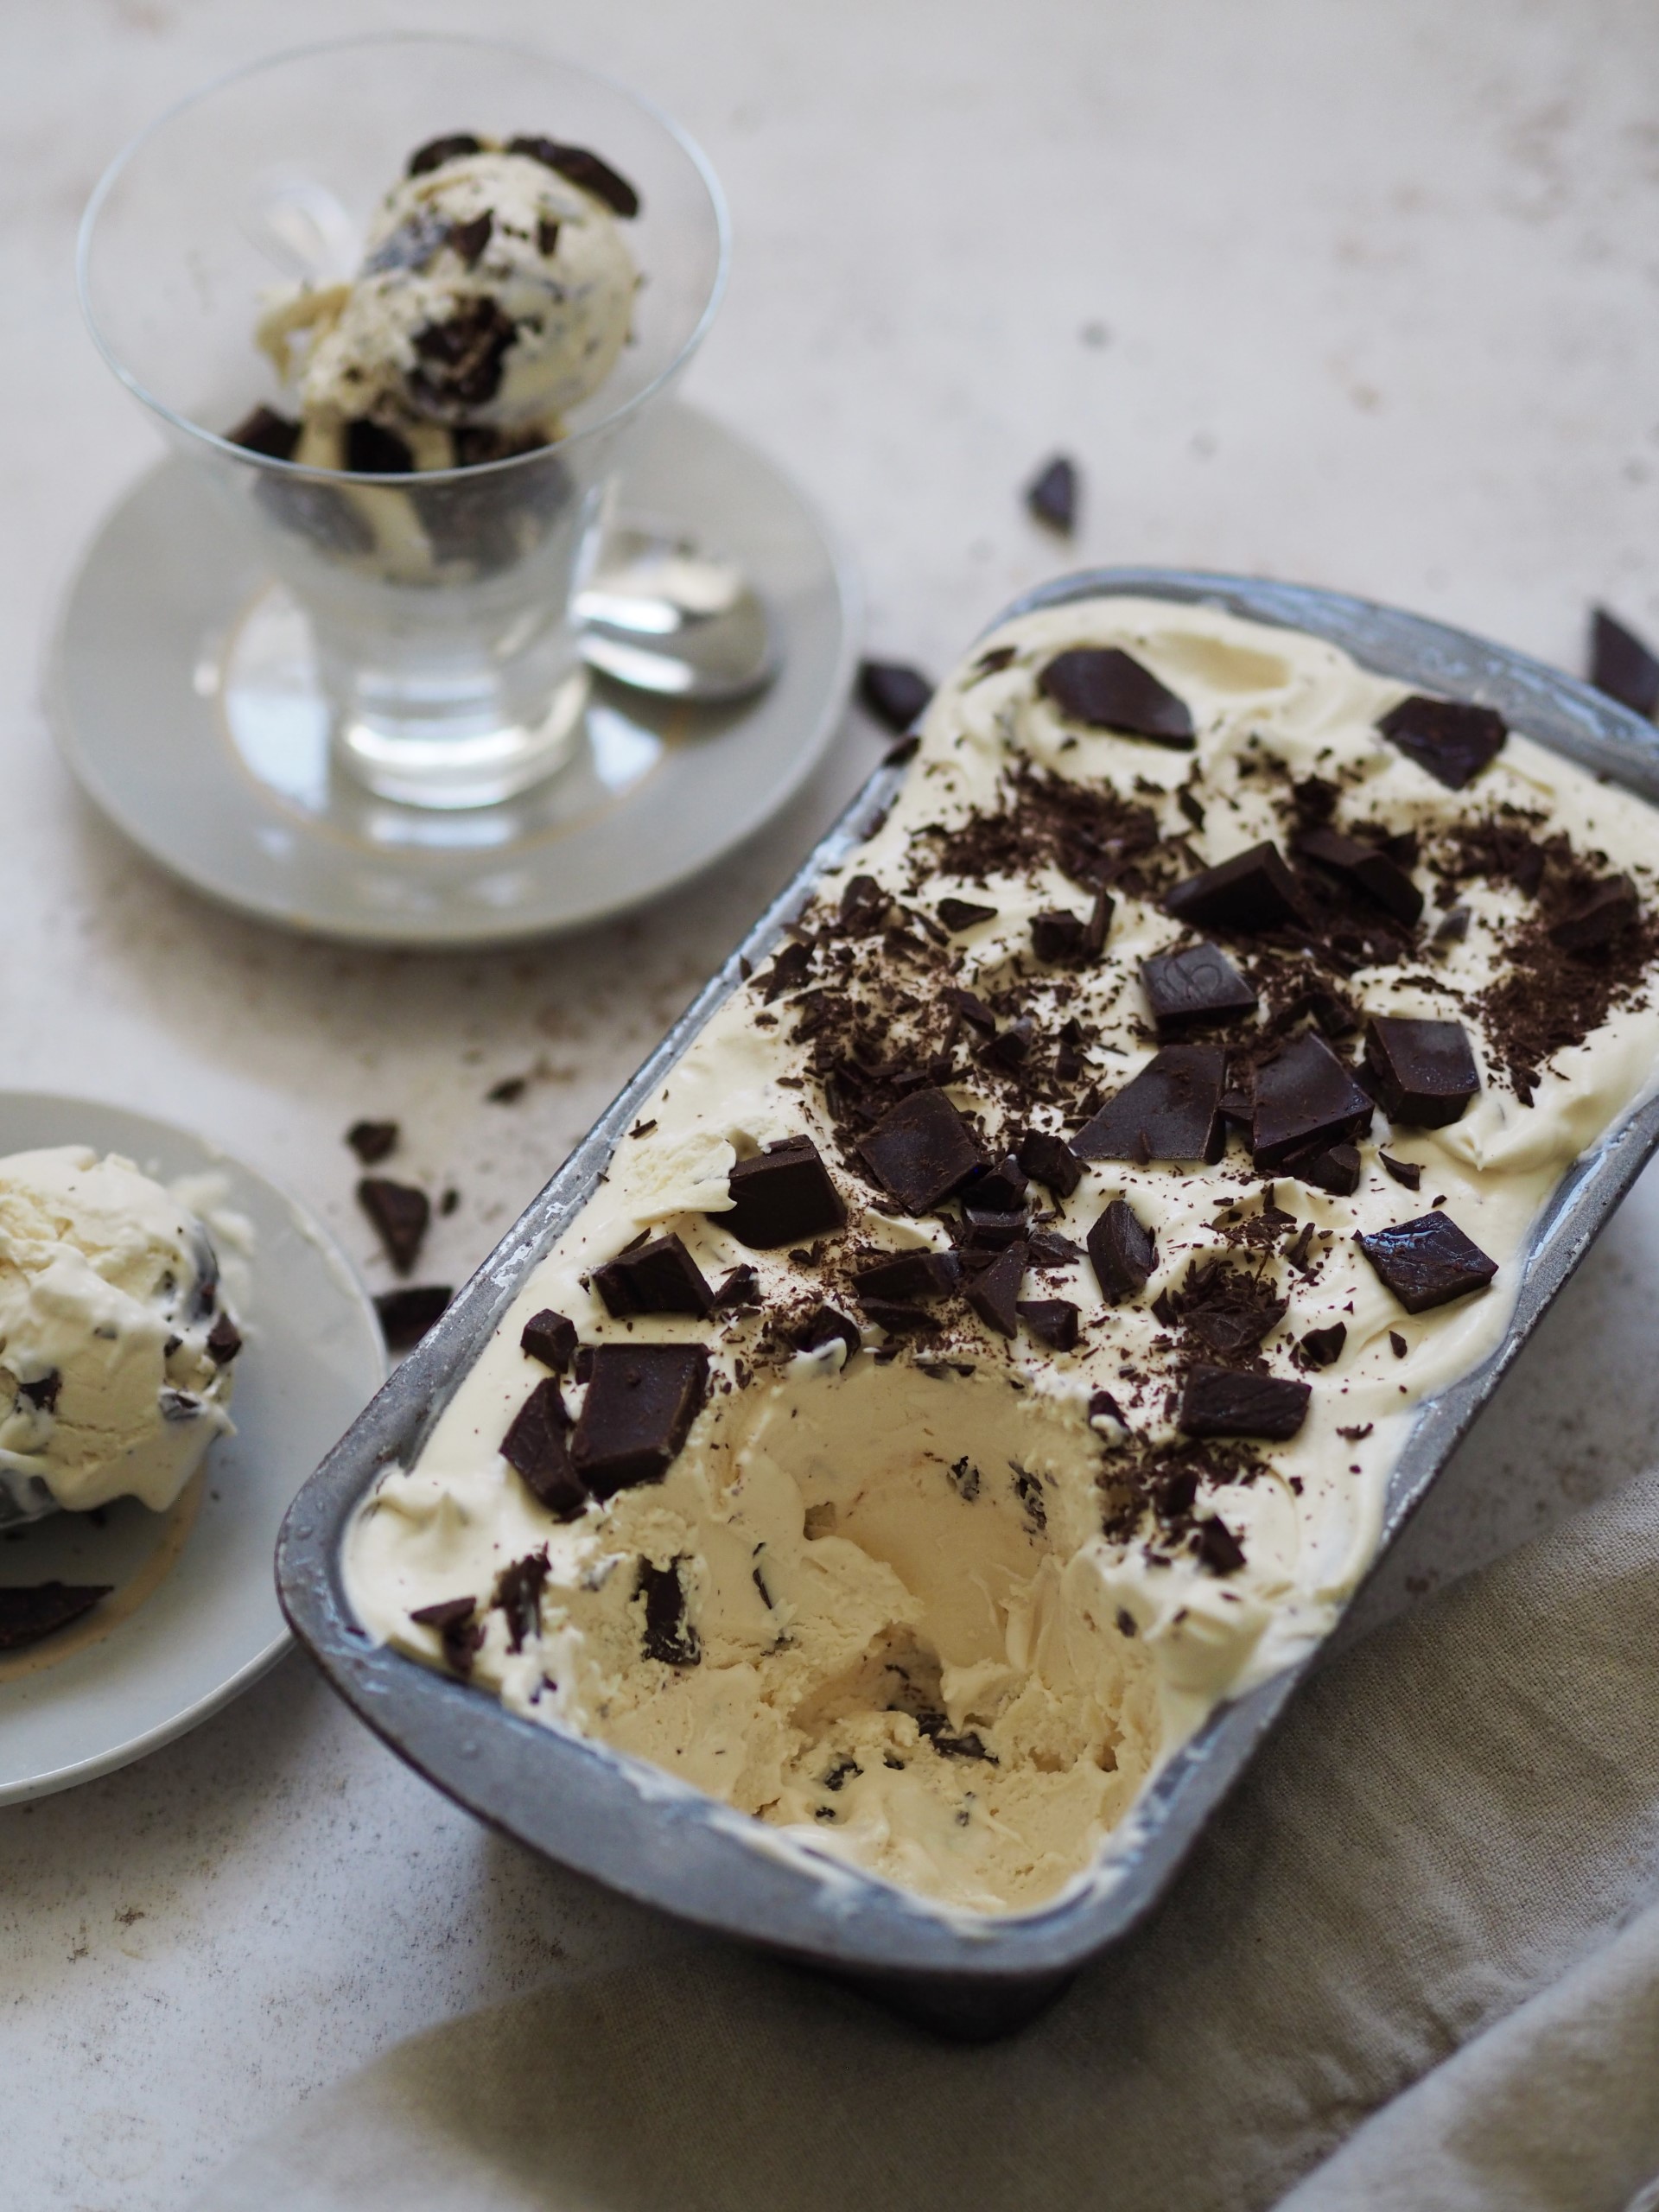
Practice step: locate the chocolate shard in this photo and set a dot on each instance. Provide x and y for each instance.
(1254, 890)
(469, 240)
(1221, 1401)
(1010, 1048)
(551, 1337)
(1333, 1167)
(372, 450)
(1171, 1111)
(788, 972)
(1428, 1262)
(538, 1446)
(1367, 867)
(1450, 739)
(33, 1610)
(1423, 1073)
(829, 1326)
(406, 1313)
(1053, 1321)
(447, 1613)
(1048, 1160)
(896, 693)
(265, 431)
(1194, 990)
(437, 151)
(399, 1213)
(641, 1401)
(1002, 1189)
(1323, 1347)
(225, 1338)
(659, 1276)
(863, 904)
(1063, 939)
(921, 1150)
(42, 1390)
(971, 1009)
(667, 1634)
(583, 168)
(1306, 1099)
(517, 1594)
(739, 1286)
(1217, 1548)
(1052, 494)
(991, 1231)
(964, 913)
(1608, 909)
(907, 1277)
(782, 1196)
(1121, 1252)
(1408, 1172)
(994, 1293)
(1620, 665)
(897, 1316)
(1105, 688)
(373, 1141)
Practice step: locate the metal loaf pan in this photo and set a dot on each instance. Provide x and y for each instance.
(639, 1831)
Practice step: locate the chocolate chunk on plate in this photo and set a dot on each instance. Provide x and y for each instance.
(373, 1141)
(1450, 739)
(1053, 1321)
(1052, 494)
(1423, 1073)
(551, 1337)
(896, 693)
(1367, 867)
(1194, 990)
(40, 1609)
(1047, 1159)
(921, 1150)
(1620, 665)
(1305, 1100)
(994, 1292)
(406, 1314)
(1121, 1252)
(1254, 890)
(1171, 1111)
(659, 1276)
(782, 1196)
(400, 1214)
(1428, 1261)
(1220, 1401)
(1104, 687)
(1608, 909)
(641, 1401)
(537, 1446)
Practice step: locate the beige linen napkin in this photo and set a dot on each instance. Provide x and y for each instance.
(1437, 1874)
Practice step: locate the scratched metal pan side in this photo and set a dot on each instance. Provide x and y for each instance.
(637, 1830)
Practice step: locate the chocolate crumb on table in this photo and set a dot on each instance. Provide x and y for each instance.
(1052, 494)
(407, 1313)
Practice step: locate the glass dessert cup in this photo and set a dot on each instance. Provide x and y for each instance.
(437, 605)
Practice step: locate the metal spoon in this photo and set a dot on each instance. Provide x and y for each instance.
(661, 616)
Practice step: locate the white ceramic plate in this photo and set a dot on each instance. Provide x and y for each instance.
(181, 693)
(194, 1618)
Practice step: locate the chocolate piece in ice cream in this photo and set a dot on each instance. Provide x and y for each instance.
(537, 1447)
(1194, 990)
(659, 1276)
(641, 1401)
(1306, 1099)
(783, 1195)
(584, 169)
(1107, 689)
(1428, 1261)
(1171, 1111)
(1423, 1073)
(1368, 867)
(549, 1338)
(921, 1150)
(1605, 911)
(1252, 890)
(1453, 741)
(1222, 1402)
(1121, 1252)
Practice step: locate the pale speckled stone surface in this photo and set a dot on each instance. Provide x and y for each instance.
(1366, 297)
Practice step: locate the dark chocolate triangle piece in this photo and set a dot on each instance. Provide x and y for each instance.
(1106, 688)
(641, 1401)
(1051, 495)
(1604, 913)
(1171, 1111)
(964, 913)
(399, 1213)
(1194, 990)
(994, 1293)
(1450, 739)
(659, 1276)
(537, 1446)
(921, 1150)
(40, 1609)
(1121, 1252)
(1220, 1401)
(1428, 1262)
(907, 1277)
(783, 1195)
(1217, 1548)
(1620, 665)
(1323, 1347)
(1053, 1321)
(406, 1313)
(1369, 868)
(1306, 1099)
(1423, 1073)
(1254, 890)
(1048, 1160)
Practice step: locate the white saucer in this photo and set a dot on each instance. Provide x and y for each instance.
(194, 1618)
(180, 694)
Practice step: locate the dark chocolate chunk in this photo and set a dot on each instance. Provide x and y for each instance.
(1306, 1099)
(1053, 1321)
(1103, 1406)
(963, 914)
(657, 1277)
(781, 1195)
(1047, 1159)
(460, 1632)
(1002, 1189)
(1370, 867)
(583, 168)
(518, 1594)
(668, 1634)
(373, 451)
(1333, 1167)
(437, 151)
(897, 1316)
(1453, 741)
(460, 360)
(1620, 665)
(508, 1091)
(447, 1613)
(989, 1230)
(43, 1391)
(896, 755)
(469, 240)
(1050, 1249)
(1064, 939)
(1609, 908)
(908, 1276)
(1052, 494)
(1217, 1548)
(1254, 890)
(921, 1150)
(1105, 688)
(1428, 1261)
(399, 1213)
(1408, 1172)
(537, 1446)
(373, 1141)
(1194, 990)
(827, 1326)
(1122, 1251)
(994, 1292)
(1011, 1049)
(971, 1008)
(1221, 1401)
(1423, 1073)
(1323, 1347)
(641, 1401)
(936, 1727)
(406, 1314)
(788, 971)
(1452, 928)
(998, 657)
(739, 1286)
(547, 236)
(1171, 1111)
(40, 1609)
(894, 693)
(549, 1338)
(265, 431)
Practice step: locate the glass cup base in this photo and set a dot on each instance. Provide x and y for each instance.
(416, 766)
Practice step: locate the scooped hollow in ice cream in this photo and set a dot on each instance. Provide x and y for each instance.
(495, 295)
(116, 1346)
